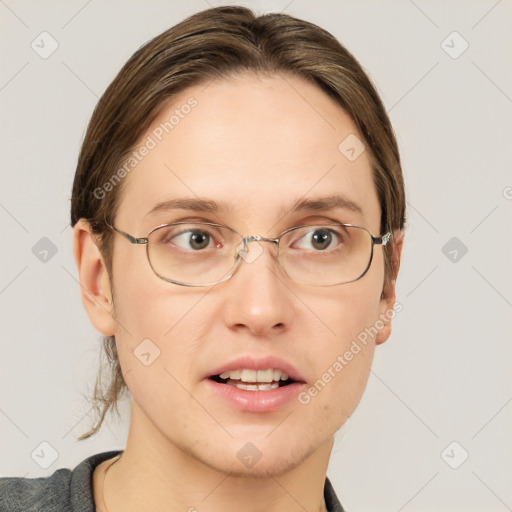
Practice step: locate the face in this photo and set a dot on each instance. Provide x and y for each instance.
(258, 145)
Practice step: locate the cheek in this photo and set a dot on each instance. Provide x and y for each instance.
(160, 331)
(163, 320)
(341, 379)
(350, 309)
(145, 305)
(157, 346)
(343, 359)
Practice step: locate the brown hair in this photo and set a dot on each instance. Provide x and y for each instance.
(218, 42)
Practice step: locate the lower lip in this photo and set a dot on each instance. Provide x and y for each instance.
(257, 401)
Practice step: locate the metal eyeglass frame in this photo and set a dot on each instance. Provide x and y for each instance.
(376, 240)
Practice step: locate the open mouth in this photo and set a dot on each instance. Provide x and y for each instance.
(254, 380)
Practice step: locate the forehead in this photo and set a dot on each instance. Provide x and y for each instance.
(258, 145)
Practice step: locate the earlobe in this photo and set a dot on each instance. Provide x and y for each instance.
(387, 310)
(93, 278)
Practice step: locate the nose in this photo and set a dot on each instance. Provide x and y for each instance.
(260, 300)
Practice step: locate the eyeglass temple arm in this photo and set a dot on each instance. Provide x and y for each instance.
(382, 240)
(130, 238)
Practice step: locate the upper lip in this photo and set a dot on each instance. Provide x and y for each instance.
(258, 363)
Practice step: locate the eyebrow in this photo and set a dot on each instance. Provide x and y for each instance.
(192, 204)
(307, 204)
(326, 203)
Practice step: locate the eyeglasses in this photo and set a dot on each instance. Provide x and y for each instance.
(205, 254)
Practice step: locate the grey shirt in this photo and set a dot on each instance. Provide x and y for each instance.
(71, 490)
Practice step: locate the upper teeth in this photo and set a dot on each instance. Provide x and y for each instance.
(255, 375)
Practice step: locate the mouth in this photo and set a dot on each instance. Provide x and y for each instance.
(254, 380)
(252, 384)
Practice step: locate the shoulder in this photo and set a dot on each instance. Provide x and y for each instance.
(64, 491)
(35, 494)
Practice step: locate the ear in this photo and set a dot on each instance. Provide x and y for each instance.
(387, 304)
(93, 277)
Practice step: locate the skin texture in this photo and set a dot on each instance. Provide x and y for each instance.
(259, 143)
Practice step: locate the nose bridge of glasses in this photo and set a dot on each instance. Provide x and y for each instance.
(242, 248)
(259, 238)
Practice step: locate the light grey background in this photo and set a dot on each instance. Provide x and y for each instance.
(445, 374)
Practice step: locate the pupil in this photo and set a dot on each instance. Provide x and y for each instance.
(320, 237)
(199, 240)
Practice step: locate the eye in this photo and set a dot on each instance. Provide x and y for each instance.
(196, 239)
(318, 239)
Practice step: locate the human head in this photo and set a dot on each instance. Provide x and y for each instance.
(225, 43)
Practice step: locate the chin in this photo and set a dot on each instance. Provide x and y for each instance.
(258, 459)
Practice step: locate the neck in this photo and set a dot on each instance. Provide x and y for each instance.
(155, 474)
